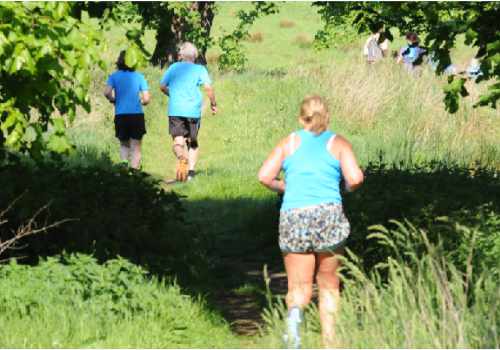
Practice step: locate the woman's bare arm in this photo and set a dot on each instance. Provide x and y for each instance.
(272, 167)
(352, 173)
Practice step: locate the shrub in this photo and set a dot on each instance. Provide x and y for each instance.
(73, 301)
(257, 37)
(116, 211)
(303, 41)
(285, 23)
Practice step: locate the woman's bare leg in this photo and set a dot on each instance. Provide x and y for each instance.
(300, 272)
(329, 295)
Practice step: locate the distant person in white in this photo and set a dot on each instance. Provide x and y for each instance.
(377, 45)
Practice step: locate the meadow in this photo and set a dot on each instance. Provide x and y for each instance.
(144, 267)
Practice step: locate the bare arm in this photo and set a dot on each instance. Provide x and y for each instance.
(109, 94)
(145, 97)
(164, 89)
(211, 95)
(351, 171)
(271, 168)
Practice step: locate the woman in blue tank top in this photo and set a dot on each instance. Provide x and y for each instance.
(313, 227)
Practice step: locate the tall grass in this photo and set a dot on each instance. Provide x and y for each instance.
(418, 299)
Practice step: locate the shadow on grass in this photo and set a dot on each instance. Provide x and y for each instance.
(221, 245)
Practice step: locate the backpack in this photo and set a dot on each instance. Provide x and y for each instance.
(374, 51)
(411, 53)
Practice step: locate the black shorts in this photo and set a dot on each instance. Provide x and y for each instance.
(187, 127)
(129, 126)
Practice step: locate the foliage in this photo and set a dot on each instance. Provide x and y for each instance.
(46, 56)
(114, 211)
(176, 22)
(337, 31)
(113, 287)
(233, 56)
(454, 204)
(73, 301)
(441, 23)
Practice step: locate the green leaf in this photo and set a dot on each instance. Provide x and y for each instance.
(30, 134)
(58, 144)
(132, 57)
(59, 125)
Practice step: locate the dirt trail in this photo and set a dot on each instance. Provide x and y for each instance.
(243, 312)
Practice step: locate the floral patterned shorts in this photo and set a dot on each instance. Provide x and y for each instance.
(319, 228)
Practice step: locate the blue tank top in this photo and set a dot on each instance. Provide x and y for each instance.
(312, 174)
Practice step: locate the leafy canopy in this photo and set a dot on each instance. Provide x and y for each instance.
(46, 60)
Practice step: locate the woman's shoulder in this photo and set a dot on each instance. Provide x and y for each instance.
(339, 140)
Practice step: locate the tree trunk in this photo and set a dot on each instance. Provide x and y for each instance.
(173, 30)
(206, 10)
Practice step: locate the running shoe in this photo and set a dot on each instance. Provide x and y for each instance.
(292, 337)
(191, 175)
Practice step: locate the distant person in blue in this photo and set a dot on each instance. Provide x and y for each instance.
(128, 91)
(473, 71)
(411, 55)
(312, 227)
(181, 83)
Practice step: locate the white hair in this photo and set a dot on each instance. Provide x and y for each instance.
(188, 52)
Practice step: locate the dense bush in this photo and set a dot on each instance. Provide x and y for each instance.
(73, 301)
(457, 206)
(116, 211)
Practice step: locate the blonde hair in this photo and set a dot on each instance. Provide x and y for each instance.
(314, 114)
(188, 52)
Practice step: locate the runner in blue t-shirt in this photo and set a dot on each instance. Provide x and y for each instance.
(128, 91)
(411, 55)
(181, 83)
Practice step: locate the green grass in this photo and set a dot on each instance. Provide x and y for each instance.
(75, 302)
(384, 113)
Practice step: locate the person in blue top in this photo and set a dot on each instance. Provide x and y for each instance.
(312, 225)
(411, 54)
(128, 91)
(181, 83)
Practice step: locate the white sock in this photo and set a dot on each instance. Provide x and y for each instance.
(295, 317)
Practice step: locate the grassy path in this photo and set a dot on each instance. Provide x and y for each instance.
(381, 111)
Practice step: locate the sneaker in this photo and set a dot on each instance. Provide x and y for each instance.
(191, 175)
(292, 337)
(181, 172)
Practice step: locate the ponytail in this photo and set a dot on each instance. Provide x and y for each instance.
(314, 114)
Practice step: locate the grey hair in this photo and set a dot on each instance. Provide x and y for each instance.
(188, 52)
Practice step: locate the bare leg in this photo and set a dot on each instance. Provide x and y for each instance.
(180, 151)
(300, 272)
(329, 296)
(179, 147)
(193, 157)
(124, 150)
(135, 154)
